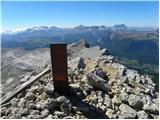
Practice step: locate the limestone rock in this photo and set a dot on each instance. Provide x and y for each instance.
(30, 105)
(77, 63)
(153, 108)
(124, 96)
(61, 99)
(24, 111)
(34, 112)
(44, 113)
(99, 72)
(43, 96)
(81, 63)
(58, 113)
(52, 103)
(49, 88)
(111, 114)
(127, 112)
(106, 59)
(22, 102)
(142, 115)
(135, 101)
(3, 111)
(131, 74)
(98, 82)
(107, 101)
(30, 96)
(116, 100)
(34, 89)
(66, 107)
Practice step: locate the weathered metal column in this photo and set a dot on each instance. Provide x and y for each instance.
(59, 67)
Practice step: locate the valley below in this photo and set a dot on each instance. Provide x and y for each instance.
(112, 71)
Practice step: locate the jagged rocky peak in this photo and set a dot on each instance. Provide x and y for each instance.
(100, 88)
(81, 43)
(82, 49)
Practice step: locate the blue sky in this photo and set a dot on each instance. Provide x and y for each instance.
(70, 14)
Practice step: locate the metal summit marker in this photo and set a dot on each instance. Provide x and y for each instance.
(59, 67)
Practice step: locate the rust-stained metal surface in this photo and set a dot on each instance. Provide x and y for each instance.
(59, 67)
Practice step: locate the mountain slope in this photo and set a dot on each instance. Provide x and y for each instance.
(133, 43)
(100, 88)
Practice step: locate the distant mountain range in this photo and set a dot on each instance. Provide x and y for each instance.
(80, 27)
(136, 43)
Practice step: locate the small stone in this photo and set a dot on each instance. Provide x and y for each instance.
(69, 117)
(12, 117)
(127, 112)
(142, 115)
(42, 96)
(99, 72)
(153, 108)
(61, 99)
(49, 88)
(30, 105)
(128, 89)
(131, 74)
(3, 117)
(81, 63)
(103, 108)
(124, 79)
(24, 111)
(80, 108)
(34, 89)
(106, 59)
(22, 103)
(138, 79)
(77, 63)
(66, 107)
(3, 111)
(30, 96)
(8, 111)
(121, 73)
(34, 112)
(124, 97)
(37, 116)
(44, 104)
(107, 101)
(87, 88)
(111, 114)
(24, 79)
(38, 106)
(135, 101)
(132, 83)
(49, 117)
(23, 117)
(52, 103)
(14, 102)
(116, 100)
(58, 113)
(85, 93)
(44, 113)
(98, 82)
(15, 111)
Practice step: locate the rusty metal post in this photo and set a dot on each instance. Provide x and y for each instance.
(59, 68)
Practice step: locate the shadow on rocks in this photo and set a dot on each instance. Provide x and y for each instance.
(88, 110)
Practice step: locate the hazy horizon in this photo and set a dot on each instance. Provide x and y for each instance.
(67, 27)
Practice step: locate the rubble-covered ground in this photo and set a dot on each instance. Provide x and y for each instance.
(100, 88)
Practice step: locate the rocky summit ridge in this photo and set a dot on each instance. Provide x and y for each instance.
(100, 88)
